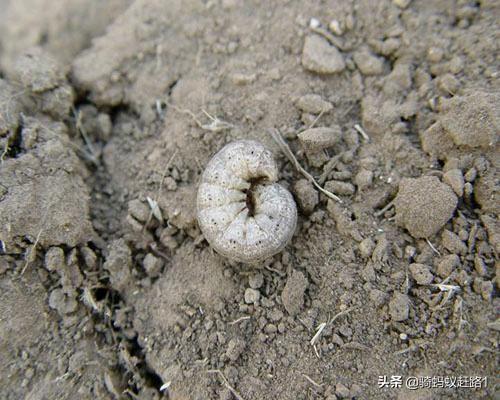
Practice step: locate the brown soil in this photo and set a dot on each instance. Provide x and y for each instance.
(109, 112)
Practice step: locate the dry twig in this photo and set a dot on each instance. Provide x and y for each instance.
(291, 157)
(225, 382)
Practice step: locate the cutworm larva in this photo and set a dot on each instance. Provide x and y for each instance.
(244, 214)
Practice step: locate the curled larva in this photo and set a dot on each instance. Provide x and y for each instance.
(244, 214)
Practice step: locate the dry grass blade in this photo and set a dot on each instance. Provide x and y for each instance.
(155, 209)
(318, 333)
(153, 204)
(80, 128)
(288, 153)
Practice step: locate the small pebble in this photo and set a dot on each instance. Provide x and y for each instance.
(363, 179)
(270, 328)
(54, 259)
(314, 104)
(468, 190)
(320, 138)
(487, 290)
(234, 349)
(368, 63)
(447, 265)
(452, 243)
(455, 179)
(378, 297)
(252, 296)
(448, 84)
(399, 307)
(402, 3)
(293, 292)
(480, 266)
(435, 54)
(339, 187)
(320, 57)
(240, 79)
(139, 210)
(342, 391)
(306, 195)
(335, 27)
(421, 273)
(256, 280)
(152, 265)
(470, 175)
(424, 205)
(275, 315)
(366, 247)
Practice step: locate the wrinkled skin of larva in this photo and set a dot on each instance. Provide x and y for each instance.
(244, 214)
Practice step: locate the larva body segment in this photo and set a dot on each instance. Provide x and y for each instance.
(244, 214)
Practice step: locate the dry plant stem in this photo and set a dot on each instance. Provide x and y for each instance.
(383, 210)
(225, 382)
(318, 333)
(328, 36)
(244, 318)
(330, 165)
(152, 201)
(340, 314)
(5, 151)
(432, 247)
(362, 132)
(83, 132)
(323, 325)
(311, 381)
(288, 153)
(216, 125)
(313, 124)
(33, 249)
(44, 218)
(86, 155)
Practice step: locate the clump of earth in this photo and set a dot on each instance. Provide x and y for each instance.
(109, 112)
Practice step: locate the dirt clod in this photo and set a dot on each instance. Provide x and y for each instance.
(307, 196)
(252, 296)
(118, 263)
(339, 187)
(473, 119)
(321, 57)
(452, 242)
(447, 265)
(455, 179)
(399, 307)
(320, 138)
(368, 63)
(424, 205)
(313, 103)
(421, 273)
(293, 292)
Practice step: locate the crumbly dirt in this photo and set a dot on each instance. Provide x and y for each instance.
(109, 112)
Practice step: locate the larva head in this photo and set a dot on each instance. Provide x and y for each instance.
(243, 213)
